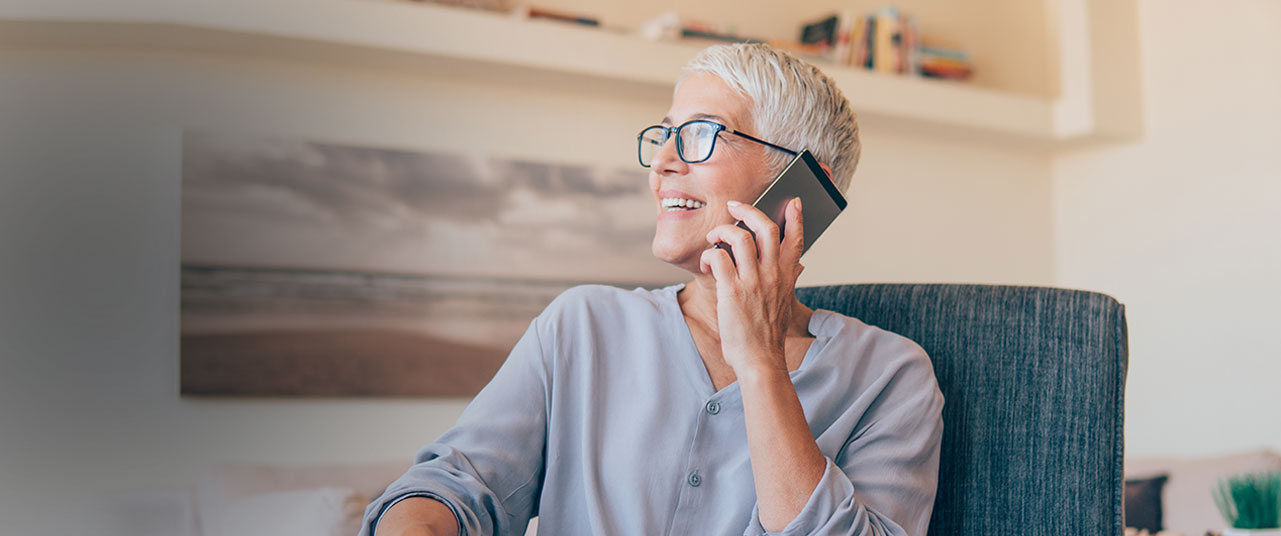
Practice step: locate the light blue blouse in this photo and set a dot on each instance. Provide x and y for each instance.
(603, 421)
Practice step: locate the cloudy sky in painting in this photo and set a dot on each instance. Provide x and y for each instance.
(262, 202)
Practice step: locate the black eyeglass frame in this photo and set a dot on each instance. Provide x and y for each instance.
(675, 132)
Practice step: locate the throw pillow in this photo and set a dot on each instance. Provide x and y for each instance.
(1143, 503)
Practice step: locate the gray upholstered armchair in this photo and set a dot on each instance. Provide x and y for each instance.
(1034, 380)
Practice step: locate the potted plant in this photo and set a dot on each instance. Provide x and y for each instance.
(1250, 503)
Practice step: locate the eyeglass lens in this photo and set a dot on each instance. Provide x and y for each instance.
(696, 138)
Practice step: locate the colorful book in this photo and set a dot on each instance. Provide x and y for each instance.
(887, 41)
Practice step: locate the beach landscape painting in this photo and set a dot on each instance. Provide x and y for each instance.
(322, 269)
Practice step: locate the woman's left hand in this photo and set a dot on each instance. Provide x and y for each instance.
(754, 298)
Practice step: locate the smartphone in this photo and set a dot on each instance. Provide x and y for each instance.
(821, 202)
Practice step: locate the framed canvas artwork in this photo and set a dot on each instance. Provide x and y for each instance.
(320, 269)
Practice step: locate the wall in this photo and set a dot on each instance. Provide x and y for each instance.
(90, 160)
(1184, 227)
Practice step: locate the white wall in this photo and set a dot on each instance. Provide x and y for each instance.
(89, 212)
(1184, 227)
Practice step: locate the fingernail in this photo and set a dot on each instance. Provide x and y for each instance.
(798, 203)
(732, 203)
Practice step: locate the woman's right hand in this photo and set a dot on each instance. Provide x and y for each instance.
(417, 516)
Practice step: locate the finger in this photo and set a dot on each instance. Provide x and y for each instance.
(794, 238)
(718, 264)
(744, 249)
(767, 232)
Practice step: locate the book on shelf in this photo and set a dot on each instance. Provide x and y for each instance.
(945, 63)
(885, 41)
(821, 33)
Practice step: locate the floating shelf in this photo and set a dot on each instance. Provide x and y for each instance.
(410, 36)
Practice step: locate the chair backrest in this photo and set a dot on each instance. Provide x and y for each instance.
(1033, 380)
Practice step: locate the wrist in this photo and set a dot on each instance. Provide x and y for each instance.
(762, 374)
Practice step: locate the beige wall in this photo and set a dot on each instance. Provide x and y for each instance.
(1184, 227)
(90, 156)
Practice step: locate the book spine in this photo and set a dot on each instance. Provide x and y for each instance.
(886, 29)
(869, 43)
(843, 37)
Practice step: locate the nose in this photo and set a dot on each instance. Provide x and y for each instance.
(668, 160)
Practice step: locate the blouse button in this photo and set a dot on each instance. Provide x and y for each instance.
(713, 407)
(694, 479)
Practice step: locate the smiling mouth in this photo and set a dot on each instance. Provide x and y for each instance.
(675, 204)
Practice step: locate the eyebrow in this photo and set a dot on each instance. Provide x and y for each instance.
(700, 115)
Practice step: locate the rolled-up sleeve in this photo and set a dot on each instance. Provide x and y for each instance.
(884, 479)
(488, 467)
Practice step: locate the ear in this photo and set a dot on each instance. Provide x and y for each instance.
(826, 169)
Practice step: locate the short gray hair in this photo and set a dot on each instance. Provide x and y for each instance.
(793, 104)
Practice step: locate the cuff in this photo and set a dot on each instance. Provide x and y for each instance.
(829, 498)
(373, 525)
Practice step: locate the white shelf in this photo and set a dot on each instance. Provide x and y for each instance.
(403, 35)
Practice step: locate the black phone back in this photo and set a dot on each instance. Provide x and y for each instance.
(821, 202)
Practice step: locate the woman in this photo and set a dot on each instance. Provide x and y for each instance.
(719, 406)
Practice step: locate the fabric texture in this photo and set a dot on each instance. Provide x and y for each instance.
(603, 420)
(1143, 502)
(1034, 379)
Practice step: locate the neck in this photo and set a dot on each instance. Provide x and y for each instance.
(698, 302)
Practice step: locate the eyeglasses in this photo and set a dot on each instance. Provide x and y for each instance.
(695, 141)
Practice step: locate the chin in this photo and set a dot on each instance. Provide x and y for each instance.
(675, 255)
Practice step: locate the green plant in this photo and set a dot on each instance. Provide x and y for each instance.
(1250, 501)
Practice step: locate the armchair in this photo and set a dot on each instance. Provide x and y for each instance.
(1034, 381)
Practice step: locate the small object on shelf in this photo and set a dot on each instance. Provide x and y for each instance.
(707, 30)
(797, 47)
(488, 5)
(669, 26)
(821, 33)
(945, 63)
(665, 26)
(686, 32)
(533, 12)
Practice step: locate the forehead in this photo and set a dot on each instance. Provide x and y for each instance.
(706, 96)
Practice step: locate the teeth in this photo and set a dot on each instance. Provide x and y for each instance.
(680, 203)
